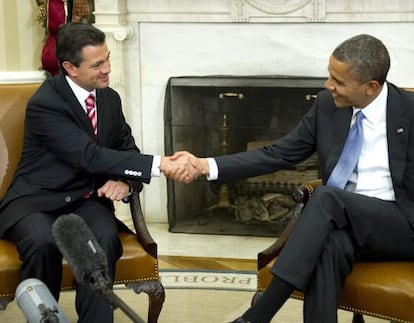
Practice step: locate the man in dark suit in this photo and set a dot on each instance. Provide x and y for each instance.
(370, 215)
(73, 164)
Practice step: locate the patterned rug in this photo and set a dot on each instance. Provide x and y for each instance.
(207, 279)
(191, 297)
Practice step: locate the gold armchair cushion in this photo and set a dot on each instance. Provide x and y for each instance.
(381, 289)
(9, 269)
(135, 262)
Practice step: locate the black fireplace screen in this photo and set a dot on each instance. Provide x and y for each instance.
(215, 115)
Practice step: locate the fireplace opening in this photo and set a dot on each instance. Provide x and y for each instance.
(216, 115)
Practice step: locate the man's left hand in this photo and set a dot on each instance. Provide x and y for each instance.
(114, 190)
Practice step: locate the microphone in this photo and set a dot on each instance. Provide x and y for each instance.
(37, 303)
(88, 261)
(85, 256)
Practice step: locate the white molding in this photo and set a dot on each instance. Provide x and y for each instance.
(268, 11)
(278, 11)
(277, 7)
(22, 77)
(118, 31)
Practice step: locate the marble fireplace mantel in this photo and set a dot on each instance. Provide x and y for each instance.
(153, 40)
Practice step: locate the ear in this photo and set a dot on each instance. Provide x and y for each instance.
(373, 87)
(69, 68)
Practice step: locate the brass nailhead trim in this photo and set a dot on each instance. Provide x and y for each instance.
(310, 190)
(156, 277)
(363, 312)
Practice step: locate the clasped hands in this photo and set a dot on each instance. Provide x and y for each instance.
(184, 166)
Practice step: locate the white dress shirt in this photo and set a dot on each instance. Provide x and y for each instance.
(373, 170)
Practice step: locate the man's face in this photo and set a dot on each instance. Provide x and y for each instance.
(93, 72)
(346, 89)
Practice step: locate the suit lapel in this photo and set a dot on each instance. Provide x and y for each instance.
(74, 106)
(102, 106)
(341, 120)
(398, 128)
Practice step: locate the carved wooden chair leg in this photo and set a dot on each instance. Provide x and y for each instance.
(358, 318)
(156, 295)
(156, 301)
(4, 301)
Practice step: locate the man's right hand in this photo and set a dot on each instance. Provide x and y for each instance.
(184, 166)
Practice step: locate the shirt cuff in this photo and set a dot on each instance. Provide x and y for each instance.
(155, 168)
(213, 168)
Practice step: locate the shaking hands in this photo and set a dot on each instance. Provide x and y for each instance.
(184, 167)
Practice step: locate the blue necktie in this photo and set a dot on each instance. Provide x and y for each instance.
(350, 154)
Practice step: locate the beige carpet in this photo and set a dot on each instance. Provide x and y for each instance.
(212, 302)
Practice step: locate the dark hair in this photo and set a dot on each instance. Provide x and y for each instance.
(368, 57)
(72, 38)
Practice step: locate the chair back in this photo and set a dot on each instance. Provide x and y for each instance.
(13, 100)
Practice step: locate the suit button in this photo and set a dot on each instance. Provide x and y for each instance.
(68, 199)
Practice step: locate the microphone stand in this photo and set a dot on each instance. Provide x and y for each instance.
(117, 302)
(100, 282)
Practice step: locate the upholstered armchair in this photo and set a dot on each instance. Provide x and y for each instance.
(138, 266)
(379, 289)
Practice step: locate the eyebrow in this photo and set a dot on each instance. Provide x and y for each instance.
(101, 61)
(335, 79)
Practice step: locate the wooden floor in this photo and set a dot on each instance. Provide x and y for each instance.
(182, 262)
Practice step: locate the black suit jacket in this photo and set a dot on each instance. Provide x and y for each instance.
(61, 159)
(324, 130)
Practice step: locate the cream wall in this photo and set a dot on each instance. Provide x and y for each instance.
(21, 37)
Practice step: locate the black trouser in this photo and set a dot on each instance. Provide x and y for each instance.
(337, 228)
(42, 260)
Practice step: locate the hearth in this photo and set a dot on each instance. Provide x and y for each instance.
(215, 115)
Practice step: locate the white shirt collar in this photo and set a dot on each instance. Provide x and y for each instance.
(376, 110)
(80, 93)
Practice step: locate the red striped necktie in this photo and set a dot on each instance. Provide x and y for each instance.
(91, 111)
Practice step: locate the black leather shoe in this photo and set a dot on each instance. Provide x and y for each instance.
(240, 320)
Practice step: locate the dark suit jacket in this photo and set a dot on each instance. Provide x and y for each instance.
(324, 130)
(61, 160)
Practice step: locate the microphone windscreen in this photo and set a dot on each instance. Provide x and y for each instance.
(78, 245)
(37, 303)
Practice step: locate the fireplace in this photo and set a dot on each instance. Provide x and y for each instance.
(215, 115)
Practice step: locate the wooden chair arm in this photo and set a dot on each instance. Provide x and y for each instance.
(267, 255)
(301, 195)
(143, 235)
(304, 192)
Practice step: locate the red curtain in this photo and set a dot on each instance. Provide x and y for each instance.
(55, 17)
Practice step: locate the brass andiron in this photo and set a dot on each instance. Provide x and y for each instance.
(224, 191)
